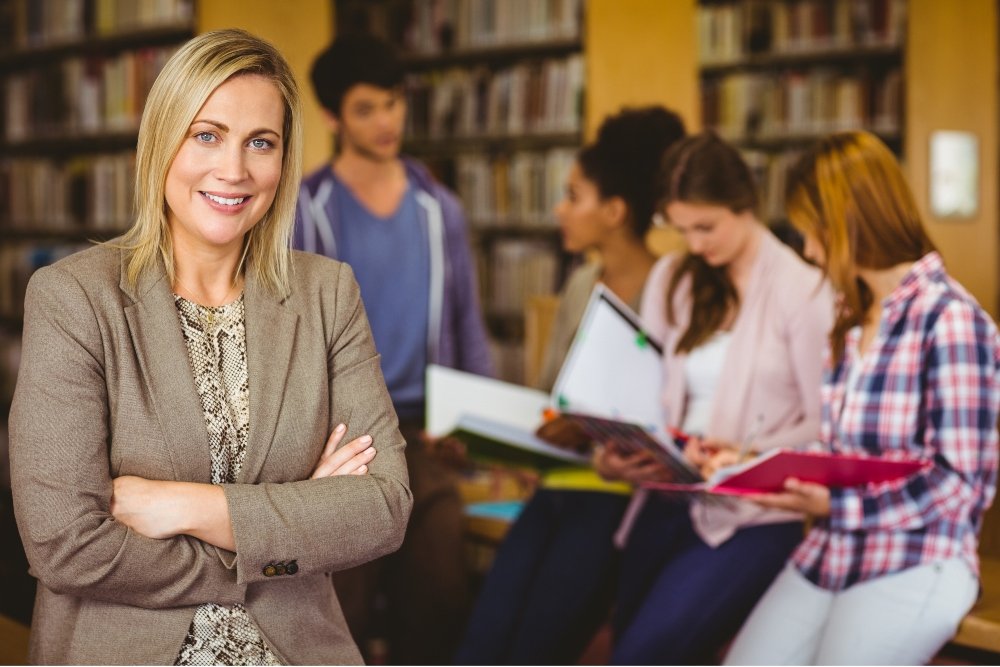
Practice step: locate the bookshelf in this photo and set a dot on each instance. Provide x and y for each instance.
(74, 75)
(495, 109)
(777, 75)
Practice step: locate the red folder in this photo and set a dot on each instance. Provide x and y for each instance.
(767, 473)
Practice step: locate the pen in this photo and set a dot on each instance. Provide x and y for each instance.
(679, 436)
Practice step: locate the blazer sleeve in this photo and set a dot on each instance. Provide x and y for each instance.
(60, 470)
(338, 522)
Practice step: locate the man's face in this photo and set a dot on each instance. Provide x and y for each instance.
(371, 122)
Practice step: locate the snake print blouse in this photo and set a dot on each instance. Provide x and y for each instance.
(216, 345)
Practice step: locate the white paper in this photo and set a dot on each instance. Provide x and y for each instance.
(613, 369)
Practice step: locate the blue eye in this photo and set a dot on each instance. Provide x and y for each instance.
(205, 137)
(260, 144)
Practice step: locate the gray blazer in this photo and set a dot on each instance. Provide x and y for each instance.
(106, 389)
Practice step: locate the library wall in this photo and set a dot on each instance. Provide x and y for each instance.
(951, 84)
(642, 52)
(299, 33)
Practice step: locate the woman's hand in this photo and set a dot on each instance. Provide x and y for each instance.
(150, 507)
(351, 459)
(563, 433)
(807, 497)
(449, 450)
(636, 467)
(709, 455)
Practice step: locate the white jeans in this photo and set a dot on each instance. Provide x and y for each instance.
(898, 619)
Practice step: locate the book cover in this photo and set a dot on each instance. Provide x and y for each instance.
(768, 472)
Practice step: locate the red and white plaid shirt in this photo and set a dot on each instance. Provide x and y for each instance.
(928, 387)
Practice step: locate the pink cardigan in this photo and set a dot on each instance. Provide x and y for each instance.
(772, 371)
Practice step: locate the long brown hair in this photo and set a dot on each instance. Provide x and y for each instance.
(704, 169)
(849, 193)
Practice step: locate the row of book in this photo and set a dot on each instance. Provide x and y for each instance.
(17, 262)
(48, 22)
(93, 192)
(771, 172)
(729, 32)
(508, 359)
(438, 26)
(81, 95)
(513, 190)
(517, 269)
(537, 97)
(776, 105)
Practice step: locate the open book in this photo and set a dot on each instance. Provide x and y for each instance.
(613, 371)
(767, 473)
(496, 420)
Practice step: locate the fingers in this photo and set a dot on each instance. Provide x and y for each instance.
(333, 440)
(345, 459)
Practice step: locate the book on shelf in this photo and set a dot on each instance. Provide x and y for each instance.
(81, 95)
(519, 268)
(731, 32)
(55, 22)
(528, 98)
(17, 262)
(518, 189)
(438, 27)
(86, 193)
(767, 473)
(609, 385)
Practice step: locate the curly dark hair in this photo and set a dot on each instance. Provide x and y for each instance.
(624, 161)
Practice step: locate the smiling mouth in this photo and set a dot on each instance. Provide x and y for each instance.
(225, 201)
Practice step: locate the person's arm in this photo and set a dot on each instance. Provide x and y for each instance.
(332, 523)
(469, 328)
(163, 508)
(60, 470)
(961, 401)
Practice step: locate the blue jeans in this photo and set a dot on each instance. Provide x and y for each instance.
(680, 600)
(551, 583)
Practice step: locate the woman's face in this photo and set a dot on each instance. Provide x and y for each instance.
(224, 177)
(581, 213)
(712, 232)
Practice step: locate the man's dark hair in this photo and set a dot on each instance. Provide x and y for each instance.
(350, 60)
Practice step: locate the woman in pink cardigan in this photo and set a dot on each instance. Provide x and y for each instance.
(743, 321)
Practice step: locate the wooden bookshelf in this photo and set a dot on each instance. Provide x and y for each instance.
(777, 76)
(495, 56)
(95, 45)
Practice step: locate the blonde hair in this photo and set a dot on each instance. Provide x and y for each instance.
(849, 194)
(181, 89)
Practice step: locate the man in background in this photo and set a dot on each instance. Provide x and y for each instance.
(404, 235)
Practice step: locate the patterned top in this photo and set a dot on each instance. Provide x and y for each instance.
(216, 344)
(927, 387)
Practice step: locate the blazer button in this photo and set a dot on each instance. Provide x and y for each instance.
(270, 570)
(292, 567)
(279, 569)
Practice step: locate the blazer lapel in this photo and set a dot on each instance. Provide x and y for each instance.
(270, 327)
(163, 360)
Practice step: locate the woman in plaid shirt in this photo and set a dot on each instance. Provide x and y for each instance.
(888, 570)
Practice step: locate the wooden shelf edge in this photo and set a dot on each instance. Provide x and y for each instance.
(153, 35)
(495, 54)
(832, 56)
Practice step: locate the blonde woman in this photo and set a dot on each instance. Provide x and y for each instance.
(887, 571)
(179, 479)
